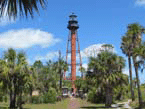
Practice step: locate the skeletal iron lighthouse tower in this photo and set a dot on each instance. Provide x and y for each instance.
(74, 48)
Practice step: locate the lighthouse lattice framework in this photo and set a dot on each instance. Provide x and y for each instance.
(73, 47)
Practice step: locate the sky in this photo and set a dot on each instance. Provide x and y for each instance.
(100, 22)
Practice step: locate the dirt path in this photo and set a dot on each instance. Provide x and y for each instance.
(77, 103)
(73, 103)
(126, 104)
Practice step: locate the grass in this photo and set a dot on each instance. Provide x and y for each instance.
(3, 105)
(58, 105)
(87, 105)
(64, 104)
(118, 101)
(83, 104)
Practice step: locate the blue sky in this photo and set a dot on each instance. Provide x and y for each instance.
(101, 21)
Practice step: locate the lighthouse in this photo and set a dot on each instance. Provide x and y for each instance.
(74, 48)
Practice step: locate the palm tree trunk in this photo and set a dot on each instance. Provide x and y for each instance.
(12, 100)
(138, 82)
(130, 73)
(108, 96)
(60, 81)
(31, 90)
(81, 74)
(20, 105)
(11, 104)
(12, 95)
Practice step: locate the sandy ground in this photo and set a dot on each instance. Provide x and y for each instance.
(73, 103)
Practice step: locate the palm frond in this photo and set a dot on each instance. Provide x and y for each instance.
(13, 8)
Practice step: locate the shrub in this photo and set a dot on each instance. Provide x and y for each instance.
(35, 99)
(96, 97)
(26, 98)
(59, 93)
(41, 99)
(91, 96)
(1, 98)
(50, 96)
(59, 98)
(5, 99)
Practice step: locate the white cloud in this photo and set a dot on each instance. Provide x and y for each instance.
(140, 2)
(85, 65)
(26, 38)
(126, 71)
(48, 56)
(92, 50)
(29, 61)
(77, 56)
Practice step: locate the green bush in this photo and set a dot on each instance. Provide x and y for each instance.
(143, 93)
(1, 97)
(26, 98)
(41, 99)
(59, 93)
(50, 97)
(35, 99)
(91, 95)
(96, 97)
(5, 98)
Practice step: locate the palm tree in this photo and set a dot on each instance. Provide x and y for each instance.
(126, 47)
(108, 47)
(140, 53)
(82, 70)
(136, 31)
(107, 69)
(121, 63)
(80, 84)
(10, 57)
(15, 75)
(22, 76)
(13, 8)
(38, 64)
(38, 69)
(134, 82)
(61, 66)
(32, 81)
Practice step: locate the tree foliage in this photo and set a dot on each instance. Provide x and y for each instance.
(106, 73)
